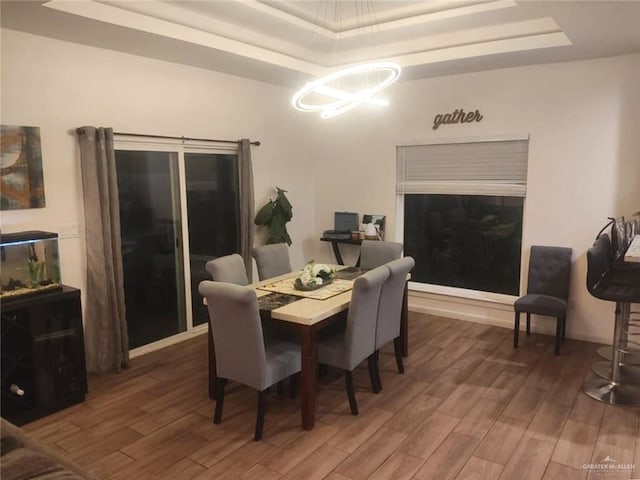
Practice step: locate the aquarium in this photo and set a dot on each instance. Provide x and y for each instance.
(29, 264)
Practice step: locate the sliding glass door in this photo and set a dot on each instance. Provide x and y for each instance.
(151, 232)
(175, 204)
(212, 209)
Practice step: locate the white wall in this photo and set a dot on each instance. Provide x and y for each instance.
(59, 86)
(581, 117)
(584, 161)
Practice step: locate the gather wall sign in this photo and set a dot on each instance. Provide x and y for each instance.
(457, 116)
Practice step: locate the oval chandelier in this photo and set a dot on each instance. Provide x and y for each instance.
(333, 94)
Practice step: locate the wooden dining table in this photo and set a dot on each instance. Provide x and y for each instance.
(307, 316)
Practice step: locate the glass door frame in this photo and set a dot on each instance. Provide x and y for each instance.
(179, 148)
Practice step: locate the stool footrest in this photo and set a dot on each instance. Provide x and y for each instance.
(629, 374)
(631, 356)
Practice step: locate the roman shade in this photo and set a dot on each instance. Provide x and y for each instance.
(493, 167)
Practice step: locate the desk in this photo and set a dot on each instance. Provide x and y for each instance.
(307, 316)
(336, 249)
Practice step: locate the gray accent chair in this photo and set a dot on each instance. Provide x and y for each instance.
(272, 260)
(229, 269)
(374, 253)
(348, 348)
(390, 312)
(242, 353)
(547, 290)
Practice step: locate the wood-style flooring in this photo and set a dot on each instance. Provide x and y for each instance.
(468, 407)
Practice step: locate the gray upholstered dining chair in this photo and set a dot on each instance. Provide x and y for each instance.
(390, 312)
(242, 353)
(374, 253)
(229, 268)
(348, 348)
(547, 290)
(272, 260)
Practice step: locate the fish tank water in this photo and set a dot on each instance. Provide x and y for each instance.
(29, 264)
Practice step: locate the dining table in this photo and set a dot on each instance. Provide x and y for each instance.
(307, 313)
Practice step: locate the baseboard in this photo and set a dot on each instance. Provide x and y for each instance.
(486, 313)
(166, 342)
(458, 315)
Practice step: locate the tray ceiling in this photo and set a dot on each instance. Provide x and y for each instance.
(288, 42)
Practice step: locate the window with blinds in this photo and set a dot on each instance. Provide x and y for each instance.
(462, 206)
(473, 168)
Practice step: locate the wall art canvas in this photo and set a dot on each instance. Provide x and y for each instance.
(21, 179)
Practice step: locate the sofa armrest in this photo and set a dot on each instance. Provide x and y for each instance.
(18, 438)
(9, 437)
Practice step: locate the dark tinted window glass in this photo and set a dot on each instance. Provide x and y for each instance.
(150, 233)
(212, 207)
(465, 241)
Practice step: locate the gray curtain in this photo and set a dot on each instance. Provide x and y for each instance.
(245, 172)
(106, 338)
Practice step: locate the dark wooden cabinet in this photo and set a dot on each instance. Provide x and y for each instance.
(43, 363)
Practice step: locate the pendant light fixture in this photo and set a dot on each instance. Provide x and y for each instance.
(338, 100)
(347, 88)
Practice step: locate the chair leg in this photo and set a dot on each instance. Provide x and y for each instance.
(262, 406)
(372, 366)
(220, 384)
(377, 362)
(528, 324)
(564, 327)
(293, 385)
(397, 349)
(516, 330)
(348, 380)
(558, 334)
(280, 387)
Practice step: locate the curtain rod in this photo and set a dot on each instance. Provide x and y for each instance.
(184, 139)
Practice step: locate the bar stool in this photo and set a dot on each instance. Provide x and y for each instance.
(623, 233)
(616, 382)
(628, 274)
(631, 352)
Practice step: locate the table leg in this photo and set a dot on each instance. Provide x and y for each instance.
(336, 252)
(404, 321)
(308, 376)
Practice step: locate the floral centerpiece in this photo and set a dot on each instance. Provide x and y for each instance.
(314, 275)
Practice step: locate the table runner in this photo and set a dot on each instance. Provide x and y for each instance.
(326, 291)
(269, 302)
(276, 300)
